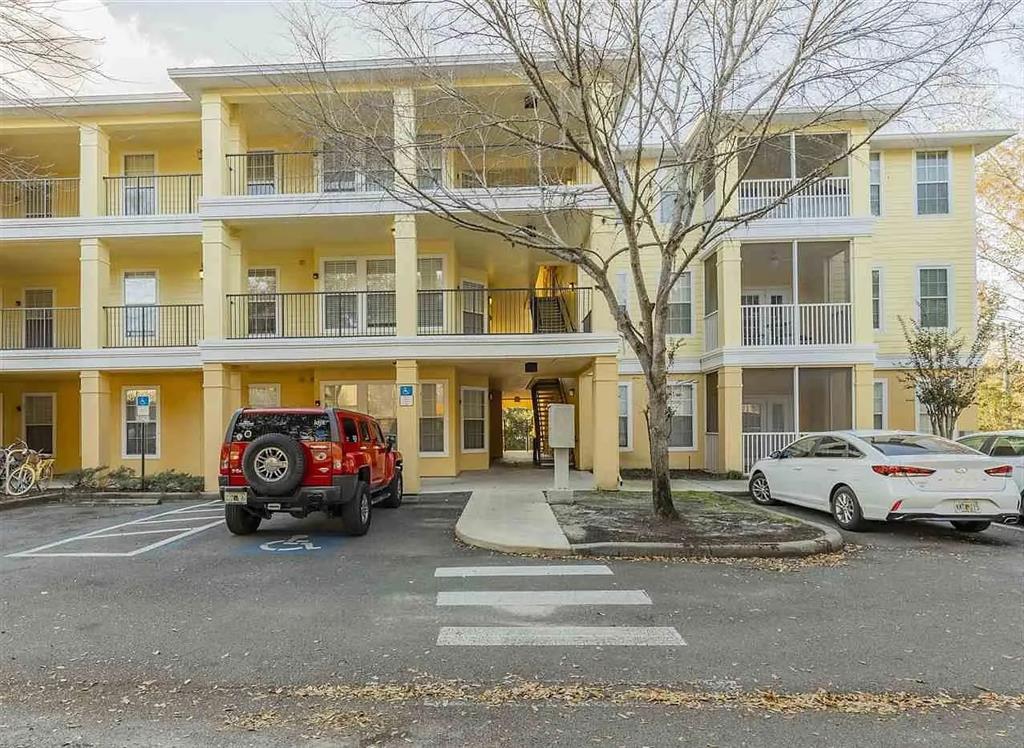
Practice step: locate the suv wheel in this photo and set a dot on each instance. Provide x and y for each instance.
(355, 515)
(846, 509)
(241, 521)
(274, 464)
(393, 496)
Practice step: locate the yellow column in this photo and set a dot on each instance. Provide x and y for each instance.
(730, 417)
(860, 290)
(217, 399)
(603, 231)
(729, 284)
(94, 164)
(219, 135)
(405, 275)
(606, 414)
(96, 427)
(585, 406)
(94, 289)
(222, 275)
(404, 103)
(863, 396)
(406, 373)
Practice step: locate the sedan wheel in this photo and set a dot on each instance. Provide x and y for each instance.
(846, 509)
(761, 491)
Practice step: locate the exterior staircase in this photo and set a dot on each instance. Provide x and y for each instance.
(550, 315)
(545, 392)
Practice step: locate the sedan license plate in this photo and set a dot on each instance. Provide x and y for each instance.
(966, 507)
(235, 497)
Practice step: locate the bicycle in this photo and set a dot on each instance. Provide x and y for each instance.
(25, 468)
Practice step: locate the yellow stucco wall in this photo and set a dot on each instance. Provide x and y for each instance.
(639, 456)
(66, 414)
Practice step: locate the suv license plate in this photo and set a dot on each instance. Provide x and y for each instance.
(238, 496)
(966, 507)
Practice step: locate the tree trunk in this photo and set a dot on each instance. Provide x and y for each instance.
(658, 427)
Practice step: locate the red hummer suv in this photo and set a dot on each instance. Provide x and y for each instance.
(302, 460)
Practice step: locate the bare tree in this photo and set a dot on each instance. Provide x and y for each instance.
(944, 368)
(39, 55)
(665, 102)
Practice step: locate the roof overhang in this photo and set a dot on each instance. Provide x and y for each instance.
(982, 140)
(100, 106)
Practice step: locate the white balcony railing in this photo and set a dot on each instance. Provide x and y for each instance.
(711, 331)
(757, 446)
(796, 324)
(827, 198)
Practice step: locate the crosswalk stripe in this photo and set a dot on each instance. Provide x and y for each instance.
(566, 636)
(515, 598)
(567, 570)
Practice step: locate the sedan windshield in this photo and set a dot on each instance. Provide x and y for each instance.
(916, 444)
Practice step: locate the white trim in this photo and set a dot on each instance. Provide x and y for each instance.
(124, 422)
(693, 322)
(885, 402)
(692, 384)
(76, 227)
(444, 418)
(275, 387)
(53, 420)
(949, 182)
(982, 140)
(881, 183)
(794, 229)
(629, 416)
(462, 420)
(881, 298)
(949, 294)
(689, 365)
(100, 358)
(799, 355)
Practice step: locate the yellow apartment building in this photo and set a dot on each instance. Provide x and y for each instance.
(192, 247)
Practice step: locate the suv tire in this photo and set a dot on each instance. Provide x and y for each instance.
(393, 495)
(355, 515)
(241, 521)
(273, 464)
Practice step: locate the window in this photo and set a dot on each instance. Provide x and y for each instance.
(669, 198)
(933, 297)
(625, 416)
(140, 304)
(262, 308)
(1008, 446)
(260, 173)
(801, 447)
(349, 431)
(264, 396)
(380, 403)
(432, 407)
(924, 421)
(875, 182)
(680, 306)
(474, 419)
(879, 407)
(430, 281)
(364, 431)
(830, 446)
(305, 427)
(932, 175)
(139, 433)
(876, 299)
(38, 415)
(139, 184)
(912, 444)
(681, 420)
(622, 289)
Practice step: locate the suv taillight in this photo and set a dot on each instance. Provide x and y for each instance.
(1003, 471)
(901, 471)
(224, 459)
(337, 459)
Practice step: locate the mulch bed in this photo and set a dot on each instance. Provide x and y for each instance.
(704, 518)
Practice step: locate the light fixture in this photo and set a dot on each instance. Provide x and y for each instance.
(200, 273)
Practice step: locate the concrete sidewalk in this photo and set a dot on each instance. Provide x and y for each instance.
(508, 511)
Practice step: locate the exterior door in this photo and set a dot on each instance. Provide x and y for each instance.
(39, 318)
(139, 184)
(38, 416)
(769, 320)
(474, 307)
(341, 300)
(262, 308)
(140, 297)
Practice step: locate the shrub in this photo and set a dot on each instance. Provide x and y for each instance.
(124, 478)
(86, 479)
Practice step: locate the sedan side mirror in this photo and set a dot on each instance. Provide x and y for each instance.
(777, 455)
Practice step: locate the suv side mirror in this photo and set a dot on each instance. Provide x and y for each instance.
(389, 442)
(777, 454)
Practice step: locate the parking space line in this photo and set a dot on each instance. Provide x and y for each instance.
(567, 570)
(560, 636)
(179, 518)
(553, 598)
(177, 533)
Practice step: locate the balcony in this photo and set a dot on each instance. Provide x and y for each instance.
(153, 195)
(48, 197)
(350, 314)
(47, 328)
(797, 324)
(827, 198)
(153, 326)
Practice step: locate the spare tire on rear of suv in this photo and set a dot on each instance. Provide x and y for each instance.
(273, 464)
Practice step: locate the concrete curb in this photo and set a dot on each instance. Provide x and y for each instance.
(492, 545)
(135, 498)
(21, 501)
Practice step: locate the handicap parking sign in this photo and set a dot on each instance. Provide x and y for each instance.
(299, 543)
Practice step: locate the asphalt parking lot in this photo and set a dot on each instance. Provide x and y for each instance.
(127, 595)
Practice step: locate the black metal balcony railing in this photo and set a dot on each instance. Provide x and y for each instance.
(153, 325)
(155, 195)
(302, 172)
(50, 328)
(504, 311)
(47, 197)
(326, 314)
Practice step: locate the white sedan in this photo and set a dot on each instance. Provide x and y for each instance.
(894, 476)
(1006, 446)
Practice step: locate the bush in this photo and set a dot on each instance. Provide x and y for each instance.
(86, 479)
(124, 478)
